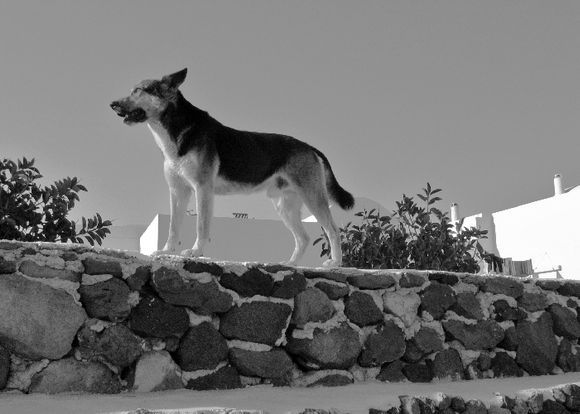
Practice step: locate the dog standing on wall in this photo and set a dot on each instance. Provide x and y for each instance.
(204, 156)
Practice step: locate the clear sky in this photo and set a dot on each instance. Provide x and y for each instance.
(480, 98)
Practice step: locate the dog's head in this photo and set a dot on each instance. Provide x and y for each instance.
(149, 98)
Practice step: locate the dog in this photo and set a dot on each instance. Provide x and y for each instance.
(204, 156)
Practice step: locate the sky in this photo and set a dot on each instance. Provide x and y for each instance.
(481, 99)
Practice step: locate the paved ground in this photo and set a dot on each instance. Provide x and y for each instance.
(356, 398)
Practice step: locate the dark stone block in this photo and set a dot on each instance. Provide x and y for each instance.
(481, 335)
(385, 345)
(412, 352)
(7, 266)
(412, 279)
(138, 279)
(274, 364)
(392, 372)
(4, 366)
(100, 267)
(568, 356)
(290, 286)
(428, 340)
(565, 322)
(202, 347)
(475, 407)
(548, 284)
(312, 305)
(261, 322)
(436, 299)
(570, 288)
(205, 298)
(371, 281)
(553, 407)
(251, 283)
(444, 278)
(333, 291)
(68, 256)
(448, 364)
(153, 317)
(362, 310)
(510, 340)
(116, 344)
(418, 372)
(225, 378)
(332, 380)
(533, 302)
(468, 306)
(503, 285)
(106, 300)
(195, 266)
(329, 274)
(504, 312)
(537, 345)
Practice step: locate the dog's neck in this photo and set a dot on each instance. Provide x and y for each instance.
(178, 119)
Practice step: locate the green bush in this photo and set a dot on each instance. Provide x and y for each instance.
(413, 237)
(30, 212)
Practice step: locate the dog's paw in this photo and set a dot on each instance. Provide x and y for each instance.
(192, 253)
(331, 263)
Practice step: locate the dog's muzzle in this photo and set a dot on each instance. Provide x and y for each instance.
(129, 117)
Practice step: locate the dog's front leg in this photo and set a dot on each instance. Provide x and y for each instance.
(204, 202)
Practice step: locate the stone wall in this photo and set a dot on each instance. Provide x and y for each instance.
(74, 318)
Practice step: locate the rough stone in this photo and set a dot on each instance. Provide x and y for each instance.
(225, 378)
(412, 279)
(361, 309)
(548, 284)
(418, 372)
(4, 366)
(38, 321)
(202, 347)
(336, 348)
(447, 364)
(412, 352)
(153, 317)
(568, 356)
(261, 322)
(251, 283)
(570, 288)
(458, 404)
(553, 407)
(101, 267)
(436, 299)
(537, 345)
(116, 345)
(333, 379)
(333, 291)
(156, 371)
(444, 277)
(475, 407)
(504, 312)
(403, 305)
(387, 344)
(392, 372)
(322, 273)
(31, 269)
(197, 266)
(533, 302)
(428, 340)
(139, 278)
(481, 335)
(371, 281)
(468, 306)
(7, 266)
(290, 286)
(484, 361)
(205, 298)
(565, 322)
(510, 340)
(312, 305)
(10, 245)
(503, 285)
(106, 300)
(70, 375)
(572, 393)
(268, 364)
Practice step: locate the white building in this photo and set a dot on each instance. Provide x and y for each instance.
(546, 231)
(237, 238)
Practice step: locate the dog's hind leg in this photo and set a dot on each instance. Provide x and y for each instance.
(289, 206)
(179, 195)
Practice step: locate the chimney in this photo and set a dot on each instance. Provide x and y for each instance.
(454, 212)
(558, 186)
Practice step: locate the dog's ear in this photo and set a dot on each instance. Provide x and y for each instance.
(175, 79)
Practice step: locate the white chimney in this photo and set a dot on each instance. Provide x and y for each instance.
(454, 212)
(558, 186)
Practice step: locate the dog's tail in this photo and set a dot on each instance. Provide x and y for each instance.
(344, 199)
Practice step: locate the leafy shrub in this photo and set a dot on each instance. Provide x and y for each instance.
(413, 237)
(29, 212)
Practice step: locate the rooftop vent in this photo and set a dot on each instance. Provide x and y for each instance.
(240, 215)
(558, 185)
